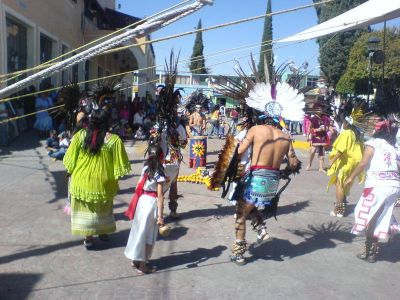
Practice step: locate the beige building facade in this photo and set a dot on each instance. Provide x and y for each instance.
(35, 31)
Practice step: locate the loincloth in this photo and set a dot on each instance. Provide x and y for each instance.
(260, 186)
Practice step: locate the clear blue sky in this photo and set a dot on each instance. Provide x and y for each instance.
(249, 33)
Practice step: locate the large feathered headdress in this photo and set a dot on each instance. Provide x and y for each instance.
(362, 120)
(69, 96)
(197, 99)
(168, 99)
(277, 99)
(105, 90)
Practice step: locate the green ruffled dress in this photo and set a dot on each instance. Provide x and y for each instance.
(94, 183)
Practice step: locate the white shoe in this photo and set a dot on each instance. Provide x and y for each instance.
(334, 214)
(263, 235)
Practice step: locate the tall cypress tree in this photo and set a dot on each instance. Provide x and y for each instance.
(197, 62)
(266, 47)
(334, 50)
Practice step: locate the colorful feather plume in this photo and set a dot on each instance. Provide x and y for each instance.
(225, 158)
(69, 96)
(168, 100)
(104, 90)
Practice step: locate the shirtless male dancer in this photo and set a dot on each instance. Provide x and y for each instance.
(197, 122)
(260, 183)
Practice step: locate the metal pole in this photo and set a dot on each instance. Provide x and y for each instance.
(369, 77)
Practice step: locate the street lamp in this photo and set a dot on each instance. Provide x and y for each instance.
(374, 55)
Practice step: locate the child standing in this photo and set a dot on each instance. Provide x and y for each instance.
(146, 209)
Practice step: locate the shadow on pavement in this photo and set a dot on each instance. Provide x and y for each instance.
(26, 140)
(316, 237)
(390, 251)
(59, 184)
(129, 190)
(292, 208)
(17, 285)
(223, 211)
(117, 240)
(190, 258)
(38, 251)
(218, 212)
(176, 234)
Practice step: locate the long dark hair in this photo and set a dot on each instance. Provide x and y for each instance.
(357, 132)
(154, 161)
(96, 131)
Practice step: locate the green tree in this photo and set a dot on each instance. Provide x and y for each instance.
(334, 49)
(266, 47)
(355, 79)
(197, 62)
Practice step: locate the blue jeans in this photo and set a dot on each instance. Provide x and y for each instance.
(233, 126)
(58, 154)
(214, 129)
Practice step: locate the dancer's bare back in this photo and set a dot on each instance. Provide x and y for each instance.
(270, 145)
(196, 119)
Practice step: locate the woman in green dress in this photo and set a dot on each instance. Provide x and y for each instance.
(95, 160)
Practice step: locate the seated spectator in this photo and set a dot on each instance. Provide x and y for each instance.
(147, 123)
(138, 118)
(125, 130)
(124, 112)
(52, 143)
(57, 145)
(140, 135)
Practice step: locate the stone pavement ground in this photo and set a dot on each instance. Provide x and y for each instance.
(311, 255)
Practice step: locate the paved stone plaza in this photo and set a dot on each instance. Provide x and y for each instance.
(311, 255)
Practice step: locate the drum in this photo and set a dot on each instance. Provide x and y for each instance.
(197, 151)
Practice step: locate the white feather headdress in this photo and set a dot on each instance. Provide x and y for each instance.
(277, 100)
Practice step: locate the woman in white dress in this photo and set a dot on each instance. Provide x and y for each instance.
(374, 211)
(148, 212)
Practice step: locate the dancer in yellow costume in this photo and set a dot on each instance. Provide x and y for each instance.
(345, 155)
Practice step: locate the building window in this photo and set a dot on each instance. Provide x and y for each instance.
(100, 72)
(75, 72)
(17, 47)
(46, 48)
(87, 74)
(46, 53)
(64, 73)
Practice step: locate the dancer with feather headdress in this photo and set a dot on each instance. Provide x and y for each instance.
(345, 155)
(257, 189)
(95, 160)
(197, 103)
(169, 133)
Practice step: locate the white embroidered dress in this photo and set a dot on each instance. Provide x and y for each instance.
(144, 225)
(382, 188)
